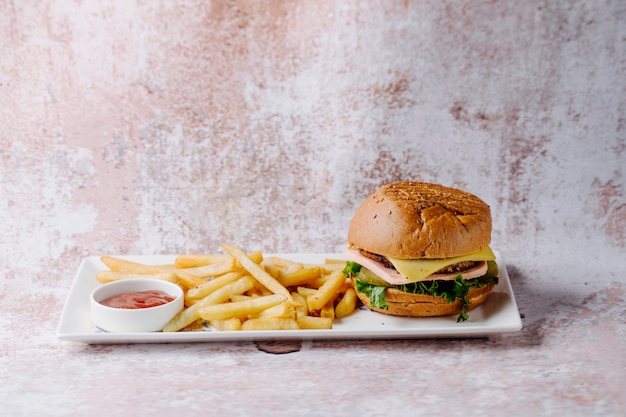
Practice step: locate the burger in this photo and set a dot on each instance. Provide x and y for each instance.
(422, 250)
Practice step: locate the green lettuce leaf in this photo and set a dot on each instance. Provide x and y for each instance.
(351, 268)
(375, 293)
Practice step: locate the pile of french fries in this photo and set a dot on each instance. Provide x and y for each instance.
(246, 291)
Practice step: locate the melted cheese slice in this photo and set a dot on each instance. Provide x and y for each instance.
(418, 269)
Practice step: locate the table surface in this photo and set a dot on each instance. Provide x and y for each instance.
(568, 359)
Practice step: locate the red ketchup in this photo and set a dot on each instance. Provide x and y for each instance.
(139, 299)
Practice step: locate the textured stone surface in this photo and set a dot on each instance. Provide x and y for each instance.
(164, 127)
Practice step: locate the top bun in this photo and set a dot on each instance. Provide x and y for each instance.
(413, 220)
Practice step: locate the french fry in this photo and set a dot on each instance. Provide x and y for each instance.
(166, 267)
(220, 295)
(311, 322)
(275, 323)
(300, 304)
(326, 292)
(123, 265)
(191, 260)
(109, 276)
(256, 257)
(254, 292)
(347, 283)
(240, 297)
(187, 280)
(279, 267)
(211, 270)
(261, 290)
(240, 308)
(318, 282)
(270, 268)
(226, 325)
(257, 271)
(328, 269)
(306, 292)
(300, 277)
(208, 287)
(328, 310)
(331, 265)
(347, 304)
(286, 310)
(286, 265)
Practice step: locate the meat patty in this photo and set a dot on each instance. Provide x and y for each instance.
(458, 267)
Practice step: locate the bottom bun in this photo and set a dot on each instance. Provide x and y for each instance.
(419, 305)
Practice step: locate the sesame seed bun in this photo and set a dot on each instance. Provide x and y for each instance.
(414, 220)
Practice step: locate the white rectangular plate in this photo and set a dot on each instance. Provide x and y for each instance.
(498, 314)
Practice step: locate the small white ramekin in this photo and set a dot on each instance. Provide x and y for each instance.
(150, 319)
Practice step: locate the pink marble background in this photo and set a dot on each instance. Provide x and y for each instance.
(163, 127)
